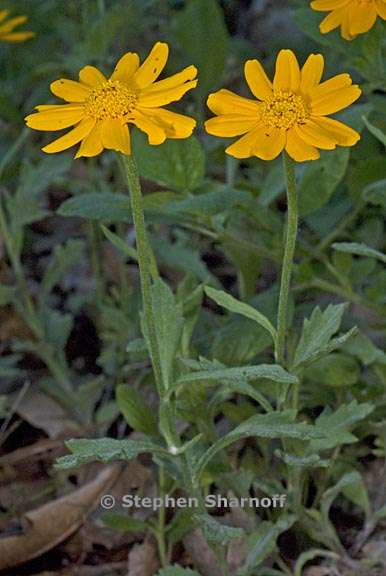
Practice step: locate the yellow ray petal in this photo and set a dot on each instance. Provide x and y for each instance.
(156, 135)
(173, 81)
(70, 90)
(257, 80)
(330, 86)
(152, 66)
(312, 134)
(230, 125)
(91, 76)
(116, 136)
(174, 125)
(12, 23)
(342, 134)
(71, 138)
(335, 101)
(17, 36)
(55, 118)
(227, 102)
(299, 150)
(381, 8)
(269, 144)
(345, 27)
(243, 148)
(312, 72)
(156, 98)
(3, 14)
(361, 18)
(92, 144)
(287, 74)
(332, 20)
(126, 67)
(327, 5)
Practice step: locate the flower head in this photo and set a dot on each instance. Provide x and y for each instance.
(100, 109)
(289, 113)
(353, 16)
(7, 28)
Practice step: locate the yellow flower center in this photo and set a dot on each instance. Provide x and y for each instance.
(283, 110)
(111, 100)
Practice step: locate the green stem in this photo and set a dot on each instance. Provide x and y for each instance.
(144, 262)
(95, 249)
(161, 541)
(290, 243)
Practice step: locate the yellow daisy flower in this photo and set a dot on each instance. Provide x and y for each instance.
(353, 16)
(289, 114)
(100, 109)
(7, 28)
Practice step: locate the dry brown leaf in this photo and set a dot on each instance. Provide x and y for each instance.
(143, 559)
(47, 526)
(202, 556)
(44, 413)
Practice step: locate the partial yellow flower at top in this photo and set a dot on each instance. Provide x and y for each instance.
(353, 16)
(101, 108)
(7, 28)
(289, 114)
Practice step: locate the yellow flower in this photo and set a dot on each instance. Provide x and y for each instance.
(353, 16)
(101, 109)
(289, 113)
(7, 33)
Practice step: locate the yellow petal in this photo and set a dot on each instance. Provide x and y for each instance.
(342, 134)
(17, 36)
(12, 23)
(152, 66)
(361, 18)
(3, 14)
(331, 85)
(299, 150)
(174, 125)
(91, 76)
(55, 118)
(116, 136)
(312, 72)
(257, 80)
(345, 30)
(157, 98)
(312, 134)
(381, 8)
(71, 138)
(243, 148)
(230, 125)
(287, 74)
(92, 144)
(126, 67)
(227, 102)
(156, 135)
(70, 90)
(335, 101)
(327, 5)
(185, 75)
(333, 20)
(269, 144)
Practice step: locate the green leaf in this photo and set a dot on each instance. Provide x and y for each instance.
(98, 206)
(7, 294)
(233, 305)
(359, 250)
(63, 259)
(335, 370)
(262, 542)
(202, 34)
(123, 523)
(272, 372)
(272, 425)
(168, 324)
(348, 480)
(175, 164)
(317, 332)
(363, 348)
(336, 425)
(136, 413)
(311, 555)
(120, 244)
(320, 180)
(215, 532)
(206, 204)
(177, 571)
(57, 326)
(377, 132)
(104, 450)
